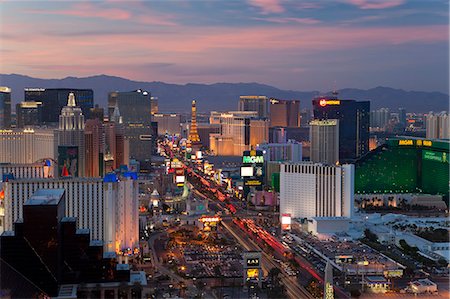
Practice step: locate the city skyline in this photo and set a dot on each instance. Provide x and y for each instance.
(288, 44)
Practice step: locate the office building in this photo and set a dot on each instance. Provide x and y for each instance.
(25, 146)
(284, 113)
(5, 107)
(54, 99)
(353, 119)
(438, 125)
(380, 118)
(239, 131)
(107, 207)
(260, 104)
(71, 140)
(28, 114)
(324, 138)
(94, 136)
(135, 110)
(134, 106)
(168, 123)
(47, 250)
(316, 190)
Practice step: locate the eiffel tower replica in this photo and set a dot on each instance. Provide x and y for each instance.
(193, 138)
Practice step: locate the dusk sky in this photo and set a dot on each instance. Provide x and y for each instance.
(299, 45)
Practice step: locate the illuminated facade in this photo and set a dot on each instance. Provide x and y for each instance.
(284, 113)
(5, 107)
(107, 207)
(239, 131)
(354, 121)
(405, 165)
(168, 123)
(193, 137)
(324, 138)
(24, 146)
(95, 145)
(316, 190)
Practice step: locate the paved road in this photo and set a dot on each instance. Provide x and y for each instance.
(294, 290)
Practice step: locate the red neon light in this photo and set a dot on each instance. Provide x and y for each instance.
(323, 102)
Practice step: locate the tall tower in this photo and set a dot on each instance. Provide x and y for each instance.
(71, 142)
(193, 134)
(328, 292)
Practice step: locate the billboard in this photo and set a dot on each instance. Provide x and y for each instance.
(434, 156)
(246, 171)
(286, 221)
(253, 262)
(252, 273)
(68, 161)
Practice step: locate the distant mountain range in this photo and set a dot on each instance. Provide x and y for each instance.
(224, 96)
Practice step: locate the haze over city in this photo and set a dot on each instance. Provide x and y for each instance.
(298, 45)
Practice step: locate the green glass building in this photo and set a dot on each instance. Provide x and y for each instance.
(405, 165)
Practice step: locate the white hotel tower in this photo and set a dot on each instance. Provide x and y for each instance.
(316, 190)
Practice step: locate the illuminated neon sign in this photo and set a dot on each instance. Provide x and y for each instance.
(405, 142)
(209, 219)
(253, 262)
(324, 102)
(252, 159)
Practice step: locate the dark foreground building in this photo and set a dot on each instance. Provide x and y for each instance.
(48, 251)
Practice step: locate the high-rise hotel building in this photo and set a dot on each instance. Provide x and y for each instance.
(316, 190)
(324, 138)
(107, 207)
(5, 107)
(354, 121)
(239, 131)
(71, 140)
(25, 146)
(260, 104)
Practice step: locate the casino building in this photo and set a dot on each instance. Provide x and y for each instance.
(405, 165)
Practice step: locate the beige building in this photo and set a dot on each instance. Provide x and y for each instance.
(25, 146)
(324, 138)
(239, 131)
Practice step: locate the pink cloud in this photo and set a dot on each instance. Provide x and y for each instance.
(87, 10)
(190, 47)
(268, 6)
(285, 20)
(376, 4)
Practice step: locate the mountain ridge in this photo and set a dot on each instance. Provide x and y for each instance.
(223, 95)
